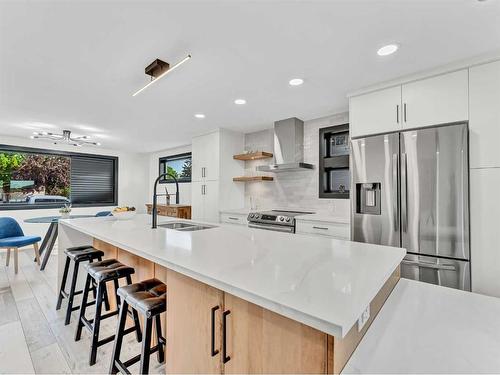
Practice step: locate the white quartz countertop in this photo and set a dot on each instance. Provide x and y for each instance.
(322, 282)
(423, 328)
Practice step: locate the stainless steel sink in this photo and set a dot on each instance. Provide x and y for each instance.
(196, 227)
(176, 225)
(185, 227)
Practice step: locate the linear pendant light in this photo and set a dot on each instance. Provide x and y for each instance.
(163, 74)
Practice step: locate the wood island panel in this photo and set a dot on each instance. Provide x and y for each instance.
(161, 274)
(110, 252)
(260, 341)
(189, 305)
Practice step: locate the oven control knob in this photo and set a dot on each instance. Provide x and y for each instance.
(256, 216)
(252, 215)
(287, 219)
(282, 218)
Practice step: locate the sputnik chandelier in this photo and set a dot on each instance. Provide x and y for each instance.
(65, 138)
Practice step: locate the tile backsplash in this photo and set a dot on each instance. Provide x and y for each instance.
(293, 189)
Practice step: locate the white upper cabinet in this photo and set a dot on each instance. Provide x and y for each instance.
(213, 169)
(197, 160)
(376, 112)
(437, 100)
(484, 124)
(205, 157)
(432, 101)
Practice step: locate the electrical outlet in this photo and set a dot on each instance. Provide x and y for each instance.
(364, 318)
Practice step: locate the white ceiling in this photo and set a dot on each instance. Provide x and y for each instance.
(75, 64)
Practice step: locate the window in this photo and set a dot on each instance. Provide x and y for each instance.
(178, 166)
(35, 178)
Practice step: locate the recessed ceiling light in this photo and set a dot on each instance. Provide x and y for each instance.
(296, 82)
(240, 101)
(387, 50)
(199, 115)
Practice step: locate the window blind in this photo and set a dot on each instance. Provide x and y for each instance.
(93, 180)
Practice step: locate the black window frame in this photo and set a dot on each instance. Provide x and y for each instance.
(43, 151)
(165, 159)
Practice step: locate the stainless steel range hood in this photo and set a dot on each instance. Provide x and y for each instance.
(288, 147)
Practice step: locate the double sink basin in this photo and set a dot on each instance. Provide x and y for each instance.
(185, 227)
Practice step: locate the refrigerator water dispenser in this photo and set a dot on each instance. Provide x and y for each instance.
(368, 198)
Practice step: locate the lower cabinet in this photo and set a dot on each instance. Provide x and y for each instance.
(260, 341)
(254, 340)
(189, 326)
(322, 228)
(232, 218)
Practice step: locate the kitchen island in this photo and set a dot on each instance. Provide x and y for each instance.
(289, 303)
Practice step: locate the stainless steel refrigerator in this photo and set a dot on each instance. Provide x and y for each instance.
(411, 189)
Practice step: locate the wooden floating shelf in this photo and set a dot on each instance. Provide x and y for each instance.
(253, 156)
(252, 178)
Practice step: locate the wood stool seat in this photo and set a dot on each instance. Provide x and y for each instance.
(149, 298)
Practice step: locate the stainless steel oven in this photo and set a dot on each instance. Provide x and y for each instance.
(276, 220)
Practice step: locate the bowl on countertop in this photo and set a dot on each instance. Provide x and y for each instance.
(124, 215)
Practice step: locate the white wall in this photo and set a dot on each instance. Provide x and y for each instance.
(133, 180)
(294, 189)
(184, 188)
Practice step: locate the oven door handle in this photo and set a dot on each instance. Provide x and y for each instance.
(276, 228)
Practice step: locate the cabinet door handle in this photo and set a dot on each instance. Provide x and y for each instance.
(397, 113)
(225, 357)
(202, 171)
(213, 351)
(232, 218)
(322, 228)
(404, 110)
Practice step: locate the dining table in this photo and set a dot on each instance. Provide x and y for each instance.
(50, 237)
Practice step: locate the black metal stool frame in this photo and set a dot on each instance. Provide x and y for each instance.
(93, 325)
(146, 351)
(72, 292)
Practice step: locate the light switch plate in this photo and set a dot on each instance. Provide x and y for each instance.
(364, 318)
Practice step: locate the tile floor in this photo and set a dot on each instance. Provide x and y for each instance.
(33, 337)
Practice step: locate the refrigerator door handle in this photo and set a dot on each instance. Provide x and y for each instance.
(395, 205)
(444, 267)
(404, 193)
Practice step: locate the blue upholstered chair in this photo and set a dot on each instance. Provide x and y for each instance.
(103, 213)
(12, 238)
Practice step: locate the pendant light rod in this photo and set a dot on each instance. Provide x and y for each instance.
(163, 74)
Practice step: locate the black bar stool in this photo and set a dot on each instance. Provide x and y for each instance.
(78, 255)
(102, 273)
(149, 298)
